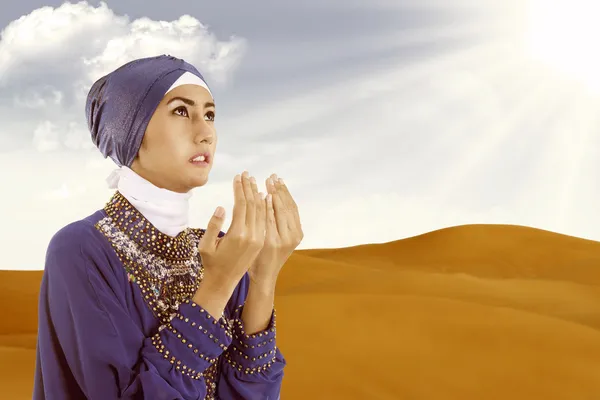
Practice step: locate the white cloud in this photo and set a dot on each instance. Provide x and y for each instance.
(185, 38)
(45, 137)
(50, 58)
(65, 193)
(76, 137)
(39, 97)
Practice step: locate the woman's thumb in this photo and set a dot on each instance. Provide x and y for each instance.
(209, 239)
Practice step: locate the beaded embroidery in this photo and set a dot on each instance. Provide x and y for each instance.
(166, 269)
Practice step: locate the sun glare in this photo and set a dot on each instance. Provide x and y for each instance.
(564, 34)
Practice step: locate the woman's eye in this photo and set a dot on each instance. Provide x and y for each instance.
(210, 116)
(181, 111)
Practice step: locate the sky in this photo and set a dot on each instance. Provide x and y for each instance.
(386, 118)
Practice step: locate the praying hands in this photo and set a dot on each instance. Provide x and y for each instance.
(283, 233)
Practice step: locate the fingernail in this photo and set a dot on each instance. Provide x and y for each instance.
(252, 179)
(275, 176)
(245, 174)
(238, 178)
(281, 181)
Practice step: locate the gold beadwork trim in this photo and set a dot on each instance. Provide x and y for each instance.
(179, 366)
(248, 370)
(190, 346)
(242, 339)
(236, 350)
(254, 346)
(223, 323)
(164, 282)
(239, 324)
(146, 235)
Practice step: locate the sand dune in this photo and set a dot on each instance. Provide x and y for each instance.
(469, 312)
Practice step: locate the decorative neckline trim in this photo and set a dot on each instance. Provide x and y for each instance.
(140, 230)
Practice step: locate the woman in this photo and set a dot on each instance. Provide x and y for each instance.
(134, 303)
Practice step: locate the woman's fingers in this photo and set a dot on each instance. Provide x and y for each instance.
(289, 203)
(257, 216)
(239, 206)
(250, 204)
(259, 201)
(278, 208)
(261, 225)
(271, 214)
(271, 232)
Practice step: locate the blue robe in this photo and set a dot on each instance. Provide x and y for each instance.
(116, 319)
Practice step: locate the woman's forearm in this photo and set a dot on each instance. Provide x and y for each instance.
(213, 296)
(258, 308)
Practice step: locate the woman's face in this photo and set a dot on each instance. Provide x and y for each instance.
(181, 128)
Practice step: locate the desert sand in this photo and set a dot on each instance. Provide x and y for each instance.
(479, 312)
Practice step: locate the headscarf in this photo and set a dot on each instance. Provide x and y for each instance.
(120, 105)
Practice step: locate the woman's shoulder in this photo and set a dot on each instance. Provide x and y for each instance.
(79, 251)
(79, 255)
(77, 237)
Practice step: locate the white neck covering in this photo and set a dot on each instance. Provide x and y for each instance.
(168, 211)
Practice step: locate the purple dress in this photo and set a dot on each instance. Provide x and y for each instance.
(116, 320)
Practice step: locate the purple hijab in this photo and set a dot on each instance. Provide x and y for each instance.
(119, 105)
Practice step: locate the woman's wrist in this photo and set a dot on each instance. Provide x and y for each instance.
(258, 309)
(213, 295)
(263, 283)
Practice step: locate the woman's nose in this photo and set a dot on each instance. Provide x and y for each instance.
(204, 133)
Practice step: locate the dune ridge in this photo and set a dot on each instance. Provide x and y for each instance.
(466, 312)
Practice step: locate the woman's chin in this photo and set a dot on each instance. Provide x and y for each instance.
(199, 180)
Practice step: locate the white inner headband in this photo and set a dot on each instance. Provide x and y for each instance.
(189, 79)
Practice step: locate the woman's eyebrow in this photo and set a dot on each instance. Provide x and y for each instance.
(190, 102)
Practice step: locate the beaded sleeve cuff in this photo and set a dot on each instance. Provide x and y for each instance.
(193, 340)
(252, 353)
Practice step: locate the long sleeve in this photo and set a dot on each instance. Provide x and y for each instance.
(253, 366)
(89, 346)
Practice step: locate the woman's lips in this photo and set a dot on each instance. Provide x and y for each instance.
(201, 159)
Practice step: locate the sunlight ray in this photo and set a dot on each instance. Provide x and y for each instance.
(489, 140)
(478, 90)
(400, 38)
(549, 107)
(584, 128)
(561, 176)
(427, 5)
(313, 104)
